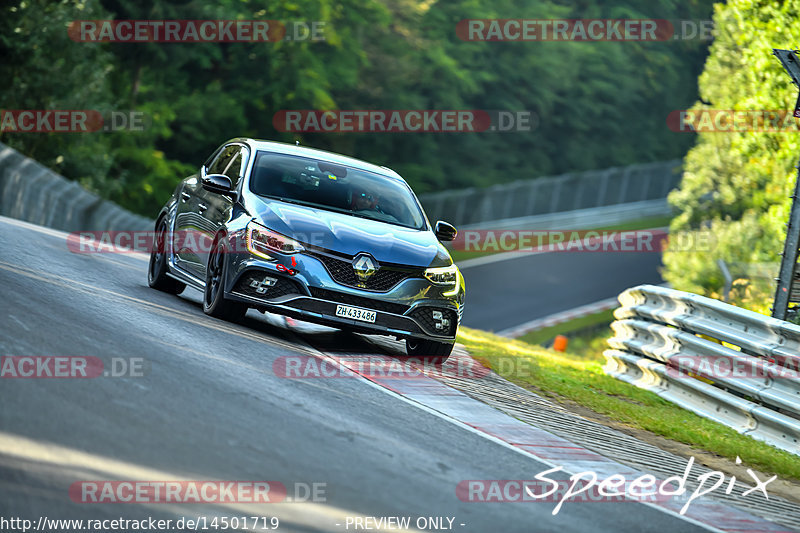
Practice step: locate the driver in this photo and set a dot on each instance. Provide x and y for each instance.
(363, 201)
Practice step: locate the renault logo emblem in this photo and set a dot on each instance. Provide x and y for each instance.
(365, 266)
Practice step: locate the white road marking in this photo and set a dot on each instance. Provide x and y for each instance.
(18, 321)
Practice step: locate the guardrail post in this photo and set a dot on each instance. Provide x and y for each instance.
(601, 195)
(462, 207)
(726, 290)
(438, 208)
(534, 189)
(669, 181)
(623, 190)
(556, 194)
(646, 187)
(508, 205)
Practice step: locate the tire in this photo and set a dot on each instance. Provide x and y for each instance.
(214, 302)
(157, 270)
(424, 348)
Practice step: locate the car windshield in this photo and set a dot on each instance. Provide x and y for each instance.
(333, 187)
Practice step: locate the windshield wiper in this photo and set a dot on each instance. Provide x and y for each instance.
(287, 200)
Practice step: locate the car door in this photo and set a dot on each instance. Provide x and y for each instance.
(191, 224)
(216, 209)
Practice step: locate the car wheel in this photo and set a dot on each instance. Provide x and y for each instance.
(157, 270)
(423, 348)
(214, 302)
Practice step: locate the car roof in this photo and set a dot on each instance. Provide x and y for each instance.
(331, 157)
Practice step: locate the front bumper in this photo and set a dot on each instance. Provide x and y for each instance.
(414, 308)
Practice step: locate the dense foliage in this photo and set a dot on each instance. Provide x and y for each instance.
(598, 104)
(736, 185)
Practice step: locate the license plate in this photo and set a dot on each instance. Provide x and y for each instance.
(355, 313)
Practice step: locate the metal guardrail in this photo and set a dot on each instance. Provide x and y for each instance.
(554, 194)
(593, 217)
(31, 192)
(734, 366)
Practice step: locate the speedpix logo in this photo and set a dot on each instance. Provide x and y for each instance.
(589, 486)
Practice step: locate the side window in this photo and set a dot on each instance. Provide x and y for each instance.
(223, 159)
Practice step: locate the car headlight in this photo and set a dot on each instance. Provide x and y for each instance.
(446, 276)
(261, 241)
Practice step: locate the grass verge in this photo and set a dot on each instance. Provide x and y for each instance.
(561, 377)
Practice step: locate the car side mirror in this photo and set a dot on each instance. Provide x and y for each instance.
(445, 231)
(218, 183)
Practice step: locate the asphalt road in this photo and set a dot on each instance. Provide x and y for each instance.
(507, 293)
(210, 407)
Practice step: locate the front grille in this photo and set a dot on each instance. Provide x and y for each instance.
(387, 276)
(282, 286)
(424, 317)
(358, 301)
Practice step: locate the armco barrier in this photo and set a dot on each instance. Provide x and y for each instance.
(577, 191)
(31, 192)
(744, 371)
(34, 193)
(593, 217)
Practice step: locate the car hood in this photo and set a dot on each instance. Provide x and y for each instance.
(350, 235)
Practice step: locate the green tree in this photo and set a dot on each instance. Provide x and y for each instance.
(43, 68)
(597, 104)
(736, 186)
